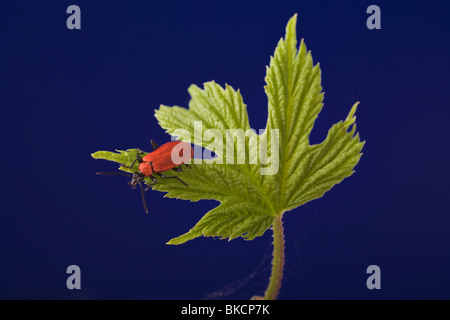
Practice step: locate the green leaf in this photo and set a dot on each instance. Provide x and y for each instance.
(230, 220)
(251, 190)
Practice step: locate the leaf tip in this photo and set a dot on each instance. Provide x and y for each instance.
(290, 29)
(352, 112)
(99, 154)
(293, 19)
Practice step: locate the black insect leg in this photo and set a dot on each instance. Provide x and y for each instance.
(138, 159)
(178, 169)
(154, 144)
(151, 184)
(173, 177)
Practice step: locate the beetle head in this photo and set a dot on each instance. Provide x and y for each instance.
(136, 178)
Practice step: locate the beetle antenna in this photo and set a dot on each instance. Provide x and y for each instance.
(128, 175)
(114, 174)
(143, 198)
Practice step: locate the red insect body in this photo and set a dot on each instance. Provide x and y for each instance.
(166, 157)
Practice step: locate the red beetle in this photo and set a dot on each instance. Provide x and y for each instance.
(169, 156)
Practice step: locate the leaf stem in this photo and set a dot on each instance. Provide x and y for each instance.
(277, 261)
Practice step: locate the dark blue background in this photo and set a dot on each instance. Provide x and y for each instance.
(67, 93)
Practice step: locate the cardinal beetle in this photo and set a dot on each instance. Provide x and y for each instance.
(158, 161)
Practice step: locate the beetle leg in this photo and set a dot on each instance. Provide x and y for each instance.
(138, 159)
(172, 177)
(178, 169)
(154, 144)
(151, 184)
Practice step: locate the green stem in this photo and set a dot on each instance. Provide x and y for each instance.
(277, 261)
